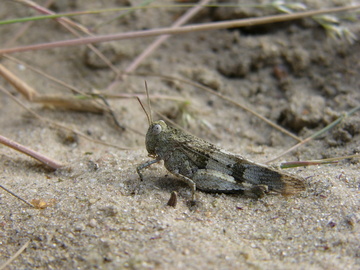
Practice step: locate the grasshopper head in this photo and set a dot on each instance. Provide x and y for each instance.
(155, 136)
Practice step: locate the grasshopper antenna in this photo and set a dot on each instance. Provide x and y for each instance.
(149, 104)
(149, 118)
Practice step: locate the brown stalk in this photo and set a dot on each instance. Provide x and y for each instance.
(179, 30)
(318, 133)
(24, 27)
(27, 91)
(27, 151)
(38, 71)
(10, 260)
(17, 197)
(70, 103)
(63, 102)
(70, 25)
(161, 39)
(58, 125)
(44, 10)
(230, 100)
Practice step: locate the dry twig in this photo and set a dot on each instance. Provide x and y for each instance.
(27, 151)
(10, 260)
(179, 30)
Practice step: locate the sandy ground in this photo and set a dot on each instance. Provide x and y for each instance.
(104, 217)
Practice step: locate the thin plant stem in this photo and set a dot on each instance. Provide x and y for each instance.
(113, 116)
(126, 11)
(230, 100)
(70, 25)
(60, 126)
(26, 90)
(17, 197)
(293, 164)
(38, 71)
(24, 27)
(317, 134)
(51, 15)
(161, 39)
(27, 151)
(179, 30)
(10, 260)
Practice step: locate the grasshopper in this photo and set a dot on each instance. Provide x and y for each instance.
(205, 167)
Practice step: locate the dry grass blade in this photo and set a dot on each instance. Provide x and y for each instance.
(317, 134)
(27, 91)
(16, 196)
(71, 26)
(57, 125)
(156, 43)
(63, 102)
(27, 151)
(155, 96)
(23, 28)
(211, 91)
(42, 73)
(293, 164)
(51, 78)
(179, 30)
(44, 10)
(117, 123)
(70, 103)
(9, 261)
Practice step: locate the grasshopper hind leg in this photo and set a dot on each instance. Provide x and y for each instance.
(216, 182)
(188, 181)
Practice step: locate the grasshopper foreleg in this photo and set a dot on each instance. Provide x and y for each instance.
(144, 165)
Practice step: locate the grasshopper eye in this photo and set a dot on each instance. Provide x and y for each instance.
(156, 129)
